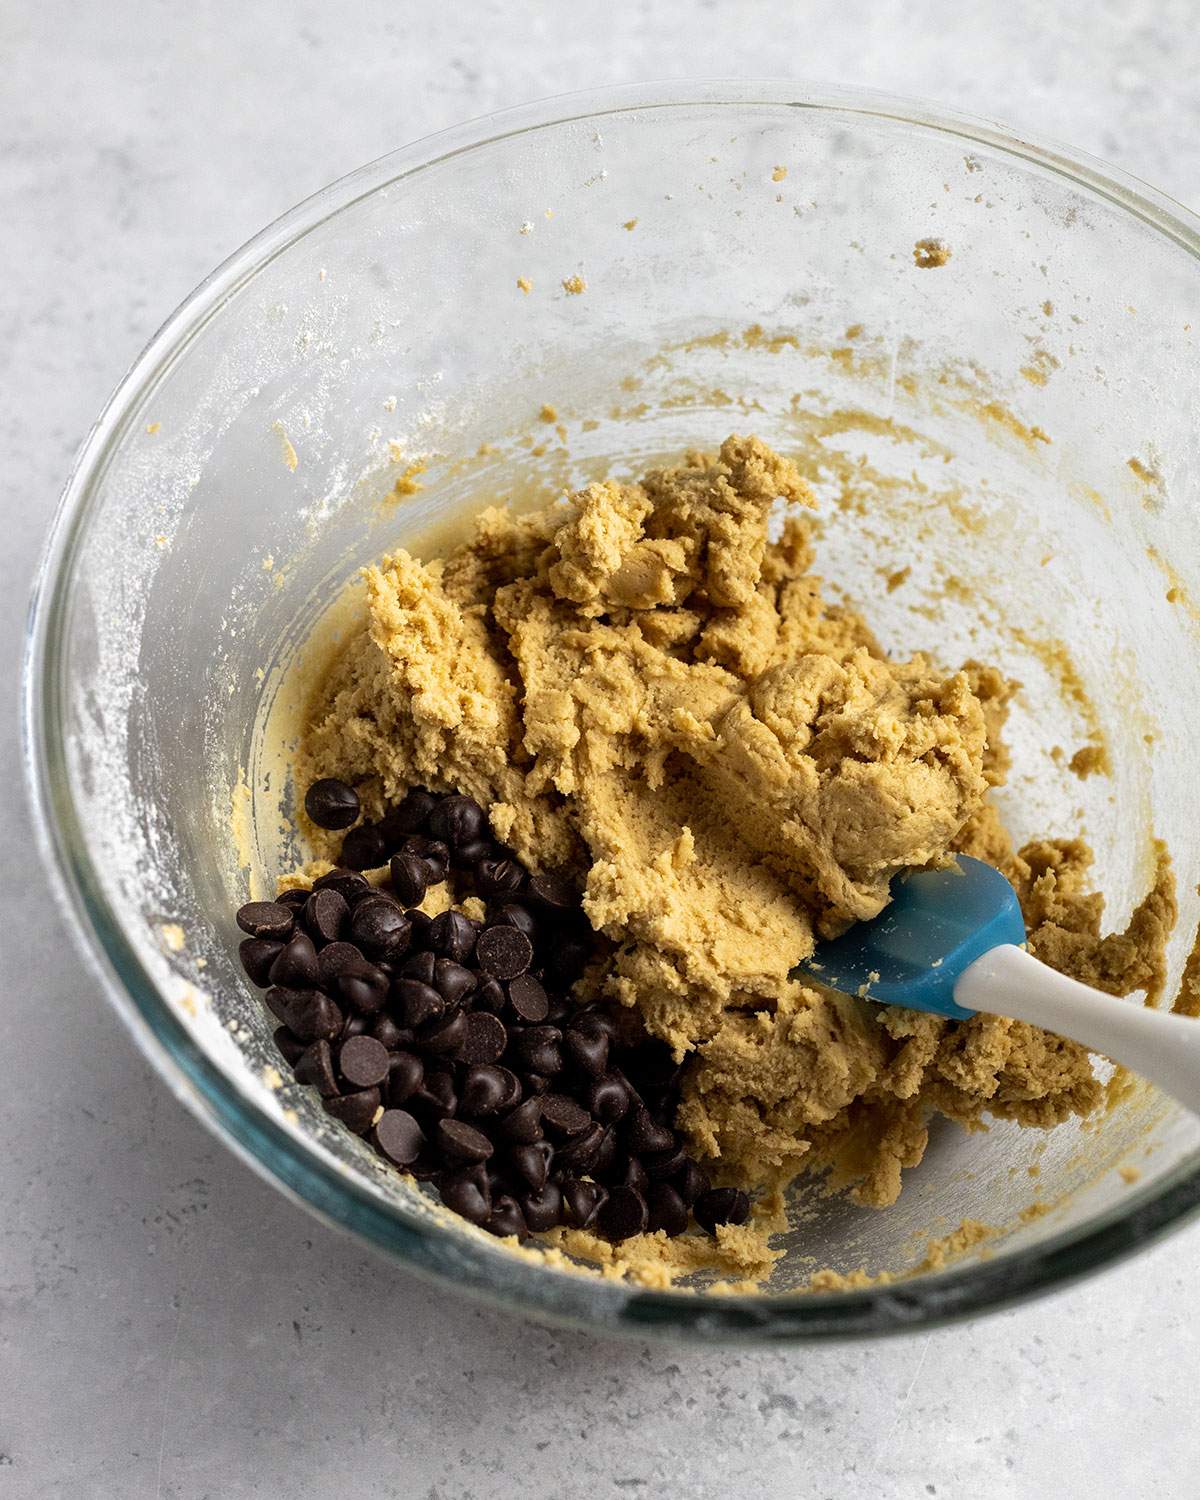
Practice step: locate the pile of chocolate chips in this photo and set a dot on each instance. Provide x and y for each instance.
(451, 1044)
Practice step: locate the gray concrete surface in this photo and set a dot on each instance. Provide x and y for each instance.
(169, 1326)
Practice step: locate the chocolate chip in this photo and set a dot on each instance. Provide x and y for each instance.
(586, 1050)
(543, 1209)
(461, 1192)
(489, 995)
(532, 1163)
(336, 959)
(537, 1048)
(265, 919)
(506, 1218)
(563, 1115)
(347, 883)
(534, 1083)
(462, 1142)
(485, 1039)
(365, 990)
(292, 1048)
(398, 1136)
(452, 935)
(607, 1156)
(325, 915)
(355, 1111)
(644, 1133)
(597, 1022)
(495, 878)
(579, 1153)
(484, 1089)
(663, 1164)
(524, 1123)
(527, 998)
(451, 980)
(410, 878)
(622, 1214)
(581, 1201)
(380, 928)
(457, 820)
(309, 1014)
(433, 853)
(295, 966)
(553, 891)
(665, 1210)
(315, 1066)
(257, 956)
(635, 1175)
(608, 1098)
(420, 966)
(513, 914)
(293, 898)
(566, 962)
(363, 1062)
(364, 848)
(418, 1003)
(472, 853)
(331, 803)
(445, 1037)
(721, 1206)
(409, 815)
(384, 1029)
(353, 1026)
(437, 1096)
(406, 1074)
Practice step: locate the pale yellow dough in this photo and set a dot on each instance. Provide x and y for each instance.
(644, 690)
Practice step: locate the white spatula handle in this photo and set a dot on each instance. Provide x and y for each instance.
(1161, 1047)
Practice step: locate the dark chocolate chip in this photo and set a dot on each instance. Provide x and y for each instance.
(457, 820)
(513, 914)
(257, 956)
(664, 1164)
(537, 1047)
(315, 1066)
(622, 1214)
(406, 1074)
(295, 966)
(437, 1096)
(485, 1088)
(398, 1136)
(364, 848)
(554, 892)
(444, 1037)
(534, 1083)
(353, 1026)
(461, 1192)
(462, 1142)
(356, 1111)
(418, 1003)
(266, 919)
(635, 1175)
(665, 1210)
(497, 878)
(608, 1156)
(563, 1115)
(473, 853)
(543, 1210)
(566, 961)
(292, 1048)
(531, 1163)
(586, 1051)
(325, 916)
(421, 923)
(331, 803)
(489, 995)
(452, 980)
(597, 1022)
(721, 1206)
(527, 998)
(308, 1013)
(433, 853)
(363, 1062)
(410, 878)
(420, 966)
(581, 1201)
(380, 928)
(336, 959)
(579, 1153)
(644, 1133)
(524, 1123)
(409, 815)
(384, 1029)
(293, 898)
(452, 935)
(347, 883)
(506, 1218)
(608, 1098)
(485, 1038)
(365, 991)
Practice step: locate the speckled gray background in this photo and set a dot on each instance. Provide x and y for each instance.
(168, 1325)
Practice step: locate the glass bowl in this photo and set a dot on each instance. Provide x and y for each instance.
(660, 266)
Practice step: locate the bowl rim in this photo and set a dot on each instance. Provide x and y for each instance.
(481, 1269)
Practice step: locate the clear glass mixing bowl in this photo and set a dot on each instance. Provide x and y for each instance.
(1015, 425)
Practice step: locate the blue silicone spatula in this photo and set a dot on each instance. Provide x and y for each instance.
(950, 942)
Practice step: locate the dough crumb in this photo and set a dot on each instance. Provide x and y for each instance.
(930, 253)
(574, 286)
(525, 284)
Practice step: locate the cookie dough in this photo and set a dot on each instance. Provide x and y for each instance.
(645, 686)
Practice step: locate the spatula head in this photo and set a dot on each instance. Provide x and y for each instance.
(936, 924)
